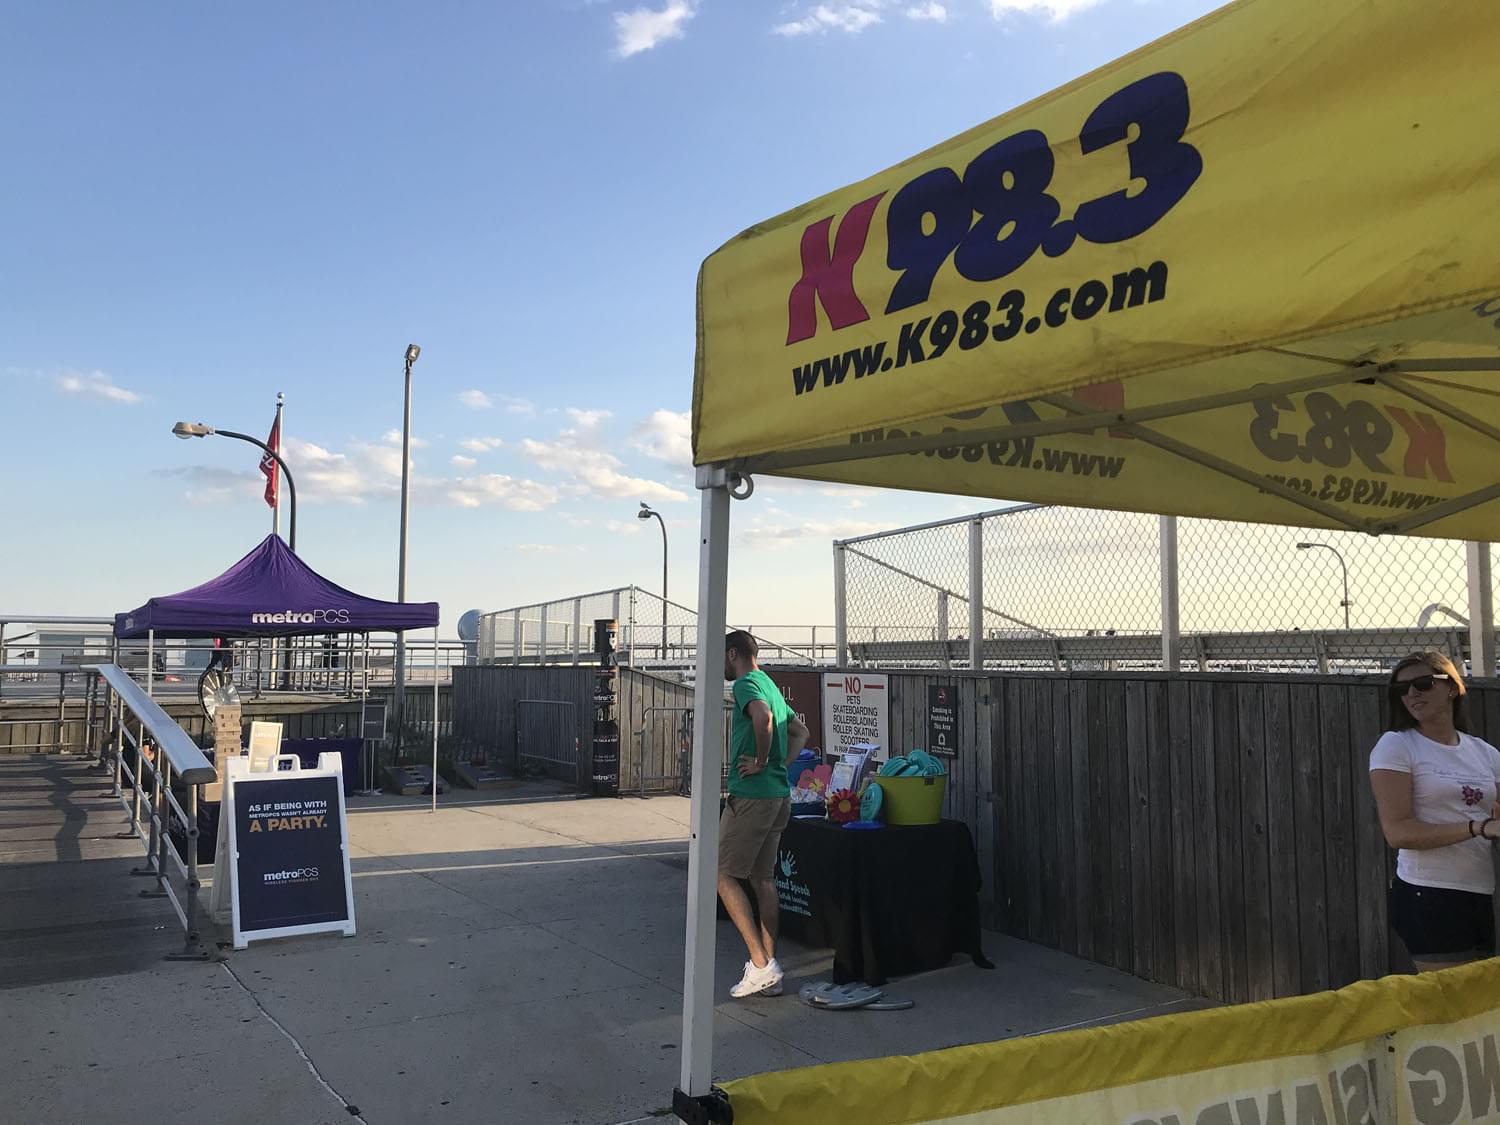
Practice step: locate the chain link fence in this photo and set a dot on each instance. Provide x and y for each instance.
(1075, 588)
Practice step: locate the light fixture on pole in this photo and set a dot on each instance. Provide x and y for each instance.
(412, 351)
(186, 430)
(1342, 567)
(646, 513)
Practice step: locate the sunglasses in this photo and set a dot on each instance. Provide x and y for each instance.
(1420, 683)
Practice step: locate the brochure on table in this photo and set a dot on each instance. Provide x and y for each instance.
(283, 854)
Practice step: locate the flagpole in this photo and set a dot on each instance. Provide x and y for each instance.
(280, 442)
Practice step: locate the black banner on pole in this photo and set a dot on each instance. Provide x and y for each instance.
(942, 720)
(290, 864)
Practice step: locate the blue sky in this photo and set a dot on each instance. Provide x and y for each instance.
(206, 204)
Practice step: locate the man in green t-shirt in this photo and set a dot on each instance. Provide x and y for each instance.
(764, 735)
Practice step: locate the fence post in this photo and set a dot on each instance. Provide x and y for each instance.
(1481, 611)
(942, 610)
(541, 652)
(577, 629)
(840, 608)
(1171, 619)
(976, 595)
(632, 627)
(515, 637)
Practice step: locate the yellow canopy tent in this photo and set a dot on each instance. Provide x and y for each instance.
(1246, 272)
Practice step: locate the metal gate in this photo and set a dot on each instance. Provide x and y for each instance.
(547, 735)
(664, 750)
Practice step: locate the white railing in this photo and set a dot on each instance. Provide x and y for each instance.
(652, 632)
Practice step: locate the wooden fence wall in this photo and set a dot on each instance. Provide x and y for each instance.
(1212, 832)
(485, 711)
(650, 709)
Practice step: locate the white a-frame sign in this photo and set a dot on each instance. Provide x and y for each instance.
(284, 850)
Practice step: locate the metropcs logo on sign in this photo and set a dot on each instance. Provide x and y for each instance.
(294, 617)
(300, 874)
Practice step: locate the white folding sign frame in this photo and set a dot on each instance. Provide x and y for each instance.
(238, 778)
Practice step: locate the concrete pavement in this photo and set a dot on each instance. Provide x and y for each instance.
(519, 958)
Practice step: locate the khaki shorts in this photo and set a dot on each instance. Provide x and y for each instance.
(749, 834)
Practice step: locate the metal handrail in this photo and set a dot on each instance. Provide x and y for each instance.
(187, 761)
(163, 753)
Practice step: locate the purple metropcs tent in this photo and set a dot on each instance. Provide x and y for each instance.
(271, 593)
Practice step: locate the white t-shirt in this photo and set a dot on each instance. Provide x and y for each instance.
(1448, 784)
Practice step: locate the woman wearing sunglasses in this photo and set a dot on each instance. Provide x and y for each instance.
(1438, 791)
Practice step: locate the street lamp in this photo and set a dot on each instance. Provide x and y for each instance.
(412, 351)
(186, 430)
(1344, 568)
(647, 513)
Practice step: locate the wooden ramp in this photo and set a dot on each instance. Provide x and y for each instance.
(71, 908)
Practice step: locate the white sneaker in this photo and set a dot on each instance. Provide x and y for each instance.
(773, 966)
(756, 981)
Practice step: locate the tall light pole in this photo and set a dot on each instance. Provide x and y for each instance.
(647, 513)
(186, 430)
(1342, 567)
(412, 351)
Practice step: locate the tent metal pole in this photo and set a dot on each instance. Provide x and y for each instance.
(1434, 512)
(364, 695)
(1481, 611)
(150, 663)
(1418, 393)
(708, 752)
(1220, 465)
(434, 716)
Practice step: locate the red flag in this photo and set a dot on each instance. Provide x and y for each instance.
(268, 463)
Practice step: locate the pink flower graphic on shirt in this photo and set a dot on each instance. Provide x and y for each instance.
(1472, 796)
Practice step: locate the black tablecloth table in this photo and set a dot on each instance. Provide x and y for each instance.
(888, 901)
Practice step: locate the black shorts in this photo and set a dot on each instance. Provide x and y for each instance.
(1437, 923)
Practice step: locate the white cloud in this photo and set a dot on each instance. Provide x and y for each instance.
(623, 527)
(518, 405)
(499, 490)
(594, 472)
(463, 462)
(367, 471)
(785, 535)
(481, 444)
(540, 548)
(96, 385)
(852, 18)
(643, 28)
(1058, 10)
(476, 399)
(932, 10)
(210, 485)
(585, 421)
(393, 437)
(665, 435)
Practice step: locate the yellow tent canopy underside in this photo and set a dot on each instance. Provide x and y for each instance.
(1248, 272)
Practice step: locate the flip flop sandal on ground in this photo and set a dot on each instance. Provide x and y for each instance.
(839, 997)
